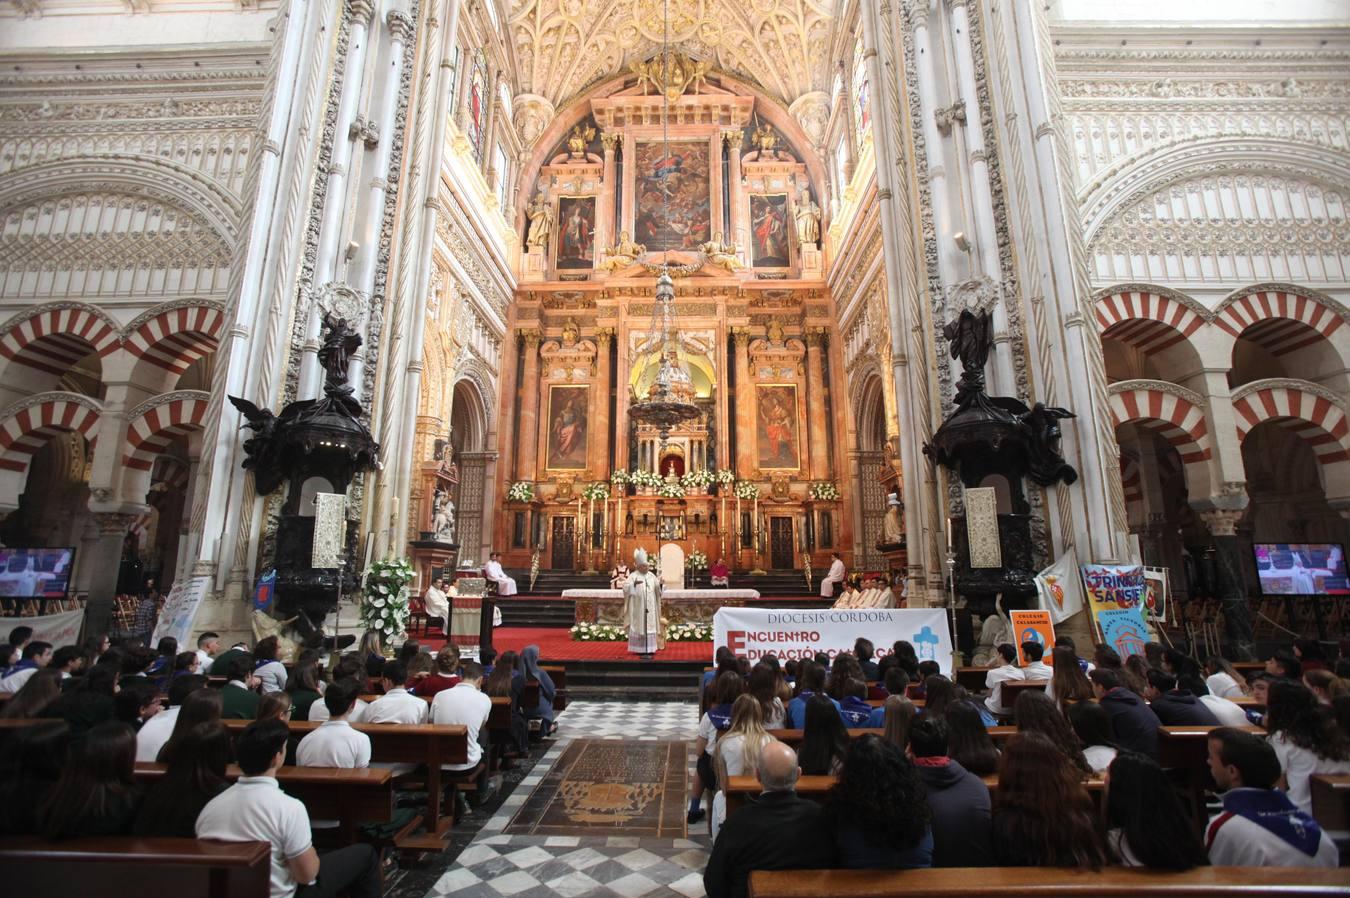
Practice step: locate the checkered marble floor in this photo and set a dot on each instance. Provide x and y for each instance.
(494, 865)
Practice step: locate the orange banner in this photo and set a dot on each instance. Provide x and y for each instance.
(1033, 626)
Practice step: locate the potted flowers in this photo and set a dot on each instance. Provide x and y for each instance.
(384, 602)
(824, 490)
(670, 489)
(746, 490)
(596, 492)
(645, 481)
(695, 481)
(521, 491)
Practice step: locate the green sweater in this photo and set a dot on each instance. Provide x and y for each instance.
(237, 703)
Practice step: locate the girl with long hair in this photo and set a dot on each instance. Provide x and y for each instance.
(1068, 683)
(878, 811)
(303, 685)
(737, 752)
(968, 741)
(765, 686)
(32, 759)
(845, 668)
(201, 706)
(906, 657)
(96, 794)
(499, 683)
(1224, 680)
(371, 653)
(1305, 737)
(194, 776)
(824, 738)
(1043, 817)
(1036, 713)
(939, 694)
(1325, 685)
(899, 717)
(726, 689)
(1145, 821)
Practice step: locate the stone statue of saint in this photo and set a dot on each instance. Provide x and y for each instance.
(541, 222)
(570, 332)
(723, 255)
(443, 518)
(775, 333)
(808, 221)
(623, 253)
(893, 528)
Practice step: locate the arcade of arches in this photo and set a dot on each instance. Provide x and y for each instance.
(1152, 211)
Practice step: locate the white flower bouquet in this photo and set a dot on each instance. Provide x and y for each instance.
(746, 490)
(521, 491)
(824, 489)
(384, 603)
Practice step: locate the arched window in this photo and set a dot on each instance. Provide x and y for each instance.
(503, 166)
(862, 95)
(478, 99)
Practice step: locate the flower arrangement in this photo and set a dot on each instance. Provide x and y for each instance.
(670, 489)
(824, 489)
(696, 561)
(689, 631)
(521, 491)
(697, 480)
(620, 477)
(746, 490)
(645, 479)
(598, 633)
(598, 491)
(725, 477)
(384, 604)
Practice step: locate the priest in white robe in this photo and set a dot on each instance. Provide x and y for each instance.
(642, 607)
(437, 604)
(506, 586)
(835, 576)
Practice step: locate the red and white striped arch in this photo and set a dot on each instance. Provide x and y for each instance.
(1176, 419)
(1316, 419)
(1130, 479)
(1279, 321)
(151, 432)
(26, 431)
(54, 339)
(1147, 321)
(176, 338)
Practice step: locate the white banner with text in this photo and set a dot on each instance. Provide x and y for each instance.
(800, 633)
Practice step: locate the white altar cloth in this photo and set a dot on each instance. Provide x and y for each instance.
(698, 594)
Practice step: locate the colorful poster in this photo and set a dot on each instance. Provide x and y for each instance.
(1060, 589)
(776, 427)
(674, 210)
(1124, 630)
(769, 230)
(566, 450)
(791, 633)
(1112, 586)
(1155, 578)
(576, 232)
(1033, 626)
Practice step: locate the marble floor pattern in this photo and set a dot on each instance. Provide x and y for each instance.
(494, 864)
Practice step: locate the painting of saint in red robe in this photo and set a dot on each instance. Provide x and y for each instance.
(769, 230)
(776, 427)
(567, 428)
(576, 232)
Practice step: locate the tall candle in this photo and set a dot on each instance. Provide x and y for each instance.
(949, 532)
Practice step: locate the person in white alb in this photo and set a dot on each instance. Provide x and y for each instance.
(831, 580)
(994, 680)
(397, 705)
(1259, 825)
(437, 604)
(506, 586)
(1035, 668)
(255, 809)
(466, 705)
(334, 743)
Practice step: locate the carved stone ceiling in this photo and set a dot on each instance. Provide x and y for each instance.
(564, 45)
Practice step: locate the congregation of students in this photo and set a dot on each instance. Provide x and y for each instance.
(914, 796)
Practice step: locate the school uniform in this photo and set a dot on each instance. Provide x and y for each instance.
(1263, 828)
(334, 744)
(238, 702)
(152, 735)
(463, 704)
(994, 681)
(397, 706)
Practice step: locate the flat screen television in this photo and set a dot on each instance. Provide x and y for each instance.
(1301, 569)
(35, 573)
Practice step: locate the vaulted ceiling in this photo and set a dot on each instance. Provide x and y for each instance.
(562, 46)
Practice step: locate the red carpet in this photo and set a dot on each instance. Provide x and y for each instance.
(556, 645)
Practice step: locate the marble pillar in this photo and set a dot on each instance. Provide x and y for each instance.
(527, 437)
(817, 422)
(745, 411)
(106, 562)
(599, 428)
(739, 233)
(605, 236)
(1237, 618)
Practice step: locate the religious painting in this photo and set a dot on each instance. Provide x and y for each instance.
(769, 230)
(674, 208)
(567, 428)
(776, 427)
(576, 232)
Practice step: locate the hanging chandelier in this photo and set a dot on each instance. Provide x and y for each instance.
(670, 399)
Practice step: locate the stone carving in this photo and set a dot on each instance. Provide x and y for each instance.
(671, 73)
(721, 254)
(442, 517)
(533, 114)
(578, 140)
(623, 253)
(765, 140)
(541, 222)
(808, 221)
(812, 112)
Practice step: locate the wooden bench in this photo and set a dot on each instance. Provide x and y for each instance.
(1029, 882)
(128, 867)
(351, 797)
(973, 678)
(1331, 800)
(1185, 749)
(400, 743)
(1014, 688)
(558, 674)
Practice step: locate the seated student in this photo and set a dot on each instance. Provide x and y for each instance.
(305, 686)
(1044, 817)
(419, 668)
(1224, 680)
(1259, 826)
(498, 684)
(136, 664)
(348, 667)
(1066, 642)
(1068, 683)
(1228, 713)
(334, 743)
(764, 686)
(97, 793)
(1175, 706)
(37, 695)
(825, 741)
(31, 761)
(894, 678)
(724, 659)
(201, 706)
(275, 706)
(780, 831)
(36, 655)
(1035, 668)
(208, 645)
(1326, 685)
(1306, 740)
(396, 705)
(812, 681)
(878, 810)
(1092, 725)
(1005, 672)
(444, 676)
(220, 663)
(91, 702)
(239, 695)
(1147, 826)
(1036, 713)
(167, 650)
(194, 777)
(864, 650)
(269, 670)
(255, 809)
(968, 738)
(1133, 724)
(928, 669)
(527, 670)
(1284, 664)
(738, 750)
(958, 800)
(897, 716)
(713, 722)
(466, 705)
(1310, 654)
(854, 709)
(137, 704)
(157, 730)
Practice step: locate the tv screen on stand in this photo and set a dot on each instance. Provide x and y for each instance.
(35, 573)
(1301, 569)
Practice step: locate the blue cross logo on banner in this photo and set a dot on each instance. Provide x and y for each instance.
(925, 643)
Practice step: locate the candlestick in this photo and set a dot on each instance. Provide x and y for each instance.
(949, 532)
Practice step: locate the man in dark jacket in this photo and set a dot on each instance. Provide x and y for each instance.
(1133, 724)
(1176, 707)
(780, 831)
(958, 800)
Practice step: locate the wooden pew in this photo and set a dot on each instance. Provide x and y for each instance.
(794, 737)
(393, 743)
(1013, 688)
(351, 797)
(558, 674)
(128, 867)
(1331, 800)
(1186, 749)
(973, 678)
(1030, 882)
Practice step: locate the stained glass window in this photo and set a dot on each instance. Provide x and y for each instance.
(862, 95)
(478, 99)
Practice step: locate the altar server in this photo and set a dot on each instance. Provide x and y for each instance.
(506, 586)
(833, 578)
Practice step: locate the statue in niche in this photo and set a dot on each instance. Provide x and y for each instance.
(766, 141)
(442, 517)
(808, 221)
(570, 332)
(723, 255)
(623, 253)
(541, 222)
(579, 139)
(775, 332)
(892, 527)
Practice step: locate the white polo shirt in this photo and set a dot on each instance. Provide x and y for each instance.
(397, 706)
(463, 704)
(152, 735)
(994, 681)
(255, 809)
(319, 711)
(334, 744)
(204, 661)
(15, 681)
(1037, 670)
